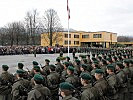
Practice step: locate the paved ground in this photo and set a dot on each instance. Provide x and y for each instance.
(12, 60)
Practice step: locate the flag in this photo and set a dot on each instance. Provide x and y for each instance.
(68, 10)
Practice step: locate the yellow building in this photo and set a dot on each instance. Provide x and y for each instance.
(79, 38)
(127, 44)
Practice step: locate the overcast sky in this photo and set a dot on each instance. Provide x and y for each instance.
(86, 15)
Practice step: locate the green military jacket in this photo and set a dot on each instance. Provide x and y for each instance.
(5, 90)
(39, 92)
(63, 75)
(69, 98)
(113, 86)
(59, 68)
(77, 68)
(89, 93)
(130, 86)
(101, 85)
(84, 72)
(93, 72)
(74, 80)
(53, 80)
(122, 84)
(46, 70)
(20, 86)
(7, 77)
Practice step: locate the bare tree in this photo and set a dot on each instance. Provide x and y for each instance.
(124, 39)
(32, 26)
(52, 26)
(3, 36)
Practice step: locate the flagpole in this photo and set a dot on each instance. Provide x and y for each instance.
(68, 37)
(68, 11)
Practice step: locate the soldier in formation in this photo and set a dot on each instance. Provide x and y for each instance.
(100, 76)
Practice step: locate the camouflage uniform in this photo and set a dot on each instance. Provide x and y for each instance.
(59, 67)
(5, 87)
(63, 76)
(69, 98)
(89, 93)
(130, 85)
(21, 85)
(101, 86)
(7, 77)
(53, 80)
(46, 70)
(122, 85)
(5, 90)
(112, 81)
(72, 79)
(39, 92)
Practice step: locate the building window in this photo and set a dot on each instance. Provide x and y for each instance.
(76, 36)
(85, 36)
(76, 42)
(66, 42)
(97, 35)
(66, 35)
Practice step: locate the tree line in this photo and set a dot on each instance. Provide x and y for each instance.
(125, 39)
(28, 31)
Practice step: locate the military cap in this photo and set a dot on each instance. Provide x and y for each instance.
(93, 55)
(120, 57)
(77, 61)
(115, 57)
(57, 59)
(36, 67)
(104, 57)
(52, 66)
(20, 64)
(85, 76)
(75, 57)
(35, 63)
(99, 71)
(5, 67)
(66, 63)
(104, 61)
(88, 55)
(99, 57)
(126, 61)
(103, 53)
(85, 60)
(84, 66)
(131, 61)
(20, 71)
(93, 58)
(82, 56)
(66, 86)
(110, 66)
(124, 55)
(109, 55)
(95, 62)
(120, 65)
(109, 59)
(38, 77)
(47, 60)
(70, 68)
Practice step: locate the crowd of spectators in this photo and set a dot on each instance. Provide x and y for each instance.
(20, 50)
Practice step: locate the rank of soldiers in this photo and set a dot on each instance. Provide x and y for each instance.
(101, 76)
